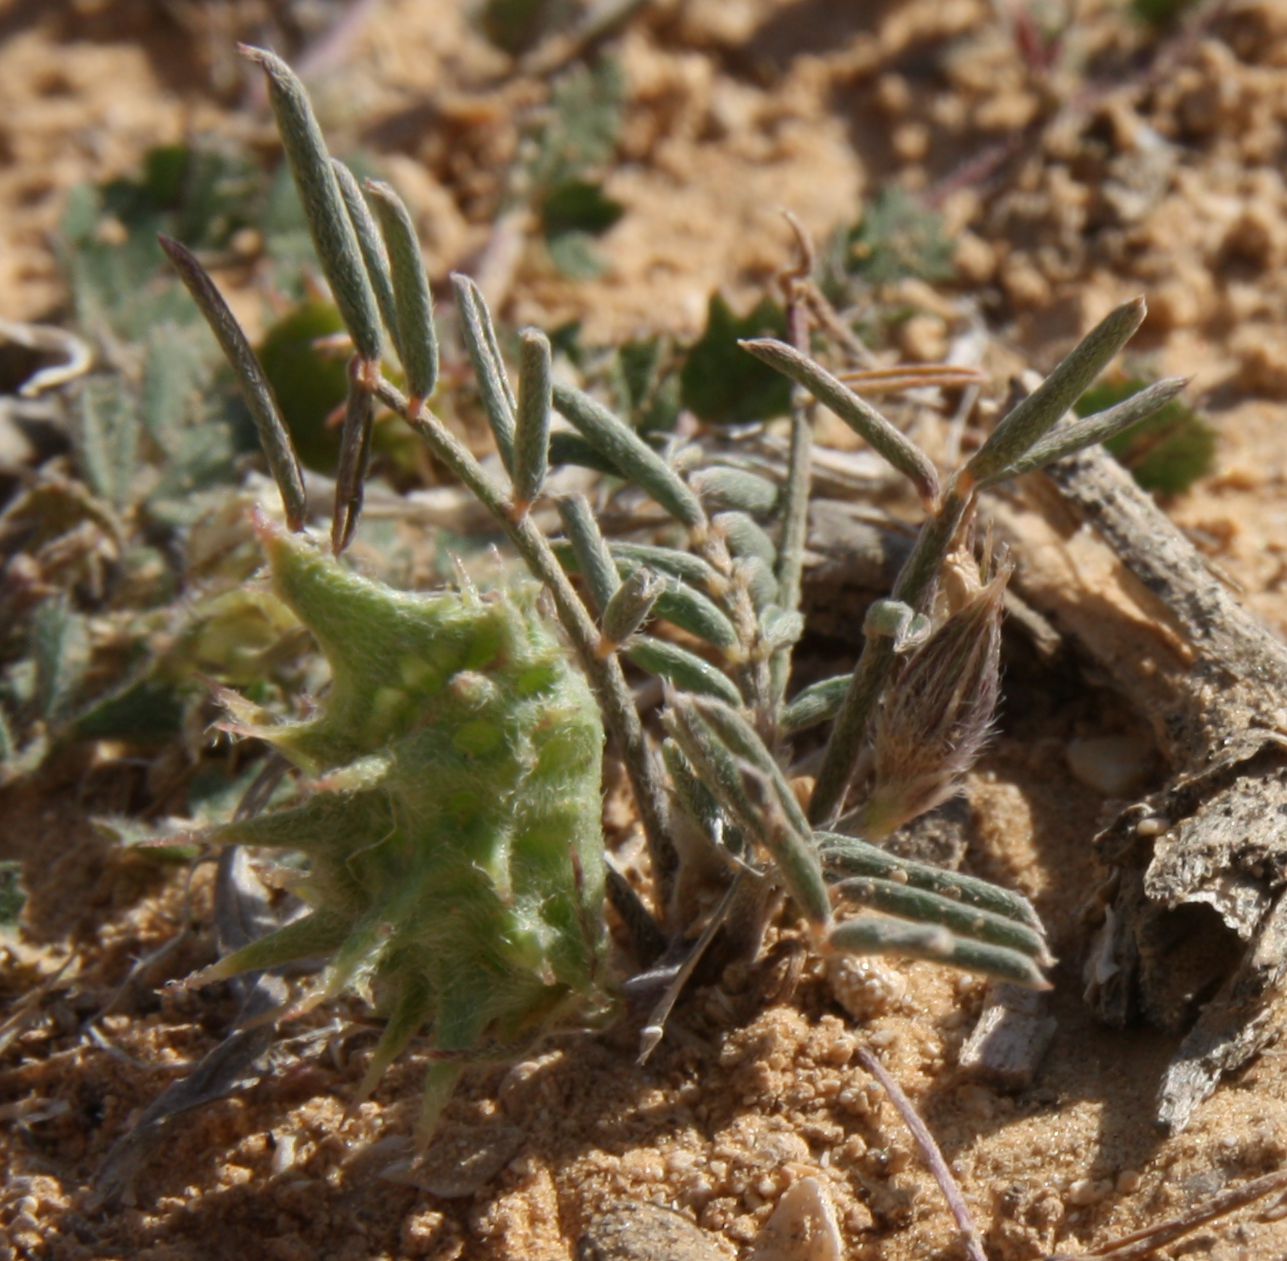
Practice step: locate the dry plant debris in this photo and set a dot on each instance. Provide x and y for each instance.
(1204, 857)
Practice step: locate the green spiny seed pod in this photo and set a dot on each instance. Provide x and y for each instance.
(452, 824)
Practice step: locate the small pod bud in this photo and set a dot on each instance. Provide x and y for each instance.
(355, 456)
(631, 605)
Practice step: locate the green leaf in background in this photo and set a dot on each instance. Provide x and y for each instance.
(517, 25)
(288, 245)
(583, 125)
(574, 255)
(572, 215)
(1166, 453)
(565, 340)
(176, 371)
(309, 383)
(13, 897)
(60, 648)
(644, 377)
(151, 710)
(203, 194)
(579, 206)
(1160, 12)
(897, 238)
(571, 149)
(105, 434)
(720, 382)
(191, 424)
(210, 192)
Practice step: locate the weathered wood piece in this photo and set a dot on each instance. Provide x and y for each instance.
(1011, 1038)
(1195, 912)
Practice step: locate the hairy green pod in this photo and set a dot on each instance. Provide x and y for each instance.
(452, 825)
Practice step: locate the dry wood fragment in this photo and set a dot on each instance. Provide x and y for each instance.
(1194, 932)
(1010, 1039)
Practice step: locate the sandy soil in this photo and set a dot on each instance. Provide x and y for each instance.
(1139, 162)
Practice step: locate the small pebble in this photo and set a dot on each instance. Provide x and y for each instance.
(1128, 1181)
(1113, 765)
(1087, 1191)
(803, 1227)
(645, 1232)
(864, 987)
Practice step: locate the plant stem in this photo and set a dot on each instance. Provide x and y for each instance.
(929, 1151)
(795, 494)
(753, 672)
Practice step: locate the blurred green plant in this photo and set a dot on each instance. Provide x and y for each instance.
(567, 156)
(897, 237)
(1167, 452)
(722, 385)
(644, 382)
(126, 557)
(1161, 12)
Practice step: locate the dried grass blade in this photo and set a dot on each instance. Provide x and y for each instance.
(900, 377)
(930, 1152)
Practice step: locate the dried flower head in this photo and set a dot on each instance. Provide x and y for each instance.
(938, 714)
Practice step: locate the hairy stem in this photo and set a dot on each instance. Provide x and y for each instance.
(795, 493)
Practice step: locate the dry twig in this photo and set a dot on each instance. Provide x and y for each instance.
(1203, 860)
